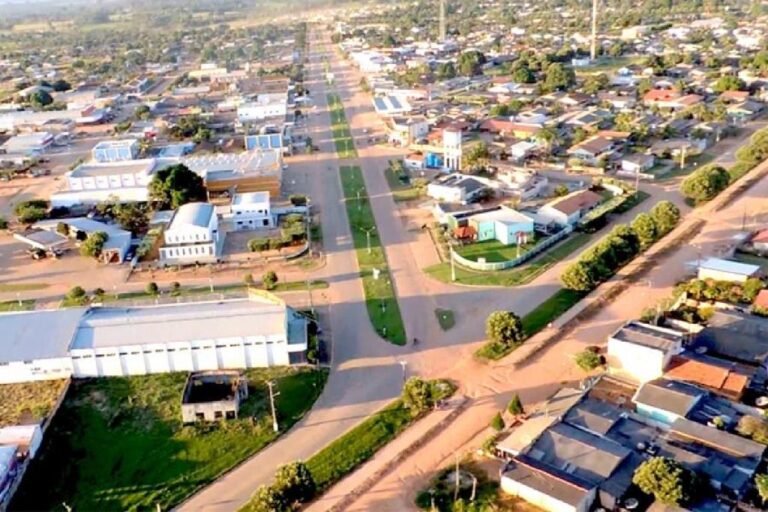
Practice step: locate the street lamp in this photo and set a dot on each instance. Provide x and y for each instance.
(368, 236)
(403, 363)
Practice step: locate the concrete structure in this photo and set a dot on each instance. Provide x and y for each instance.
(93, 183)
(262, 107)
(665, 401)
(726, 270)
(213, 395)
(94, 342)
(638, 162)
(250, 171)
(404, 131)
(452, 153)
(456, 188)
(569, 209)
(641, 352)
(192, 236)
(506, 225)
(251, 210)
(115, 150)
(116, 247)
(29, 144)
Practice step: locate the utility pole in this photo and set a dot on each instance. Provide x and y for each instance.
(456, 488)
(442, 21)
(593, 45)
(272, 396)
(453, 266)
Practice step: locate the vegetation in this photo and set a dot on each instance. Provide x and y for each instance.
(380, 299)
(342, 135)
(28, 402)
(754, 428)
(401, 185)
(293, 486)
(269, 280)
(94, 244)
(705, 183)
(588, 360)
(175, 186)
(515, 406)
(761, 484)
(485, 496)
(76, 294)
(131, 451)
(504, 328)
(31, 211)
(419, 395)
(497, 422)
(667, 480)
(723, 291)
(445, 318)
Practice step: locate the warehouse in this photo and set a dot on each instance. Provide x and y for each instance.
(259, 331)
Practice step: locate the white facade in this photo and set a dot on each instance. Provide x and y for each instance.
(643, 353)
(93, 183)
(192, 235)
(543, 500)
(452, 140)
(115, 150)
(251, 211)
(264, 106)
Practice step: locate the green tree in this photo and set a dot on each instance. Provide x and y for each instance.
(595, 83)
(31, 211)
(40, 98)
(523, 75)
(152, 288)
(3, 223)
(728, 83)
(751, 288)
(665, 216)
(417, 395)
(754, 428)
(470, 63)
(248, 279)
(131, 217)
(269, 280)
(61, 85)
(296, 484)
(499, 110)
(558, 77)
(579, 276)
(505, 327)
(761, 483)
(94, 244)
(175, 289)
(268, 499)
(645, 228)
(561, 190)
(515, 405)
(142, 112)
(666, 479)
(76, 293)
(445, 70)
(175, 186)
(588, 360)
(705, 183)
(497, 422)
(62, 228)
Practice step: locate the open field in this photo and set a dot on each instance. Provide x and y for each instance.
(29, 401)
(517, 276)
(118, 443)
(380, 298)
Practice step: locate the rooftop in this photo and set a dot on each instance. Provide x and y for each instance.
(110, 144)
(575, 201)
(94, 169)
(737, 336)
(250, 198)
(717, 375)
(29, 334)
(650, 336)
(192, 214)
(729, 266)
(668, 395)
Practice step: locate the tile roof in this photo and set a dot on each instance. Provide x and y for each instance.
(718, 377)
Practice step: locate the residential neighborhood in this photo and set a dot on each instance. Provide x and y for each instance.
(341, 256)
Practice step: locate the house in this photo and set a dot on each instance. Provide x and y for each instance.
(726, 270)
(95, 341)
(733, 96)
(569, 209)
(735, 336)
(116, 247)
(640, 352)
(506, 225)
(638, 162)
(192, 236)
(591, 150)
(213, 395)
(404, 131)
(415, 162)
(263, 106)
(744, 111)
(456, 188)
(504, 126)
(761, 301)
(115, 150)
(251, 210)
(760, 241)
(523, 149)
(28, 144)
(721, 377)
(665, 401)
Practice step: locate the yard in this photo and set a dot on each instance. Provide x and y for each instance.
(29, 401)
(118, 443)
(494, 251)
(402, 185)
(515, 276)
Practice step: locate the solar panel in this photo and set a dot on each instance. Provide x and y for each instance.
(395, 102)
(380, 105)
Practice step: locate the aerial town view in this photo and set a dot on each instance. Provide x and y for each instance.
(384, 255)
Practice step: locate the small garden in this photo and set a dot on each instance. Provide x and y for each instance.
(402, 185)
(293, 232)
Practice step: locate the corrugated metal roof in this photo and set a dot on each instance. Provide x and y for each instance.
(34, 335)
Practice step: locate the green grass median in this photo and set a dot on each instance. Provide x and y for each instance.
(342, 134)
(380, 299)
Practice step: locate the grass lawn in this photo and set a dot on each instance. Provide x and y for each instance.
(692, 163)
(22, 287)
(13, 305)
(535, 321)
(517, 276)
(494, 251)
(342, 135)
(445, 318)
(370, 255)
(118, 443)
(402, 191)
(28, 402)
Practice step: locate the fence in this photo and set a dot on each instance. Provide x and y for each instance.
(484, 266)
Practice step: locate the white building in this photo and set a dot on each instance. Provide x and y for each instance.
(28, 144)
(262, 107)
(115, 150)
(259, 331)
(726, 270)
(192, 236)
(92, 183)
(456, 188)
(569, 209)
(640, 352)
(115, 248)
(251, 211)
(404, 131)
(452, 140)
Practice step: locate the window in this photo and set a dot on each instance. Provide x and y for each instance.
(218, 415)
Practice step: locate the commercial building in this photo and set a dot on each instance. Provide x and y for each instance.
(259, 331)
(192, 236)
(92, 183)
(115, 150)
(251, 210)
(250, 171)
(115, 249)
(29, 144)
(264, 106)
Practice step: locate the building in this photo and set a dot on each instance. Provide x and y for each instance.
(452, 151)
(637, 163)
(93, 183)
(259, 331)
(641, 352)
(721, 377)
(115, 150)
(506, 225)
(736, 336)
(391, 105)
(213, 395)
(192, 236)
(251, 210)
(404, 131)
(28, 144)
(665, 401)
(592, 150)
(456, 188)
(250, 171)
(719, 269)
(264, 106)
(115, 249)
(569, 209)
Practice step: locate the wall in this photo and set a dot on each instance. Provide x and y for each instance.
(542, 500)
(637, 362)
(535, 251)
(40, 369)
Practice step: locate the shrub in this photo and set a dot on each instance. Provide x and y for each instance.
(269, 280)
(94, 244)
(76, 292)
(248, 279)
(275, 244)
(258, 244)
(3, 223)
(98, 292)
(505, 327)
(588, 360)
(152, 288)
(497, 423)
(298, 200)
(515, 406)
(175, 289)
(705, 183)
